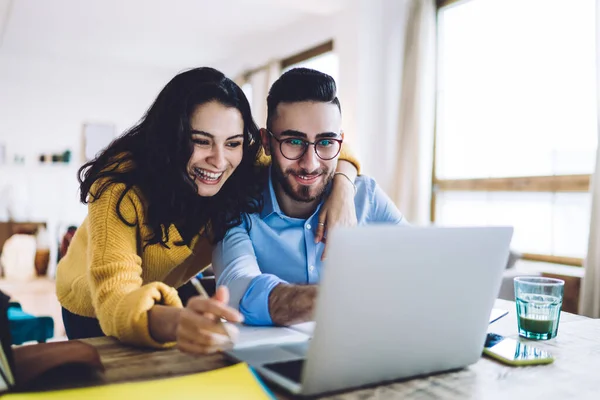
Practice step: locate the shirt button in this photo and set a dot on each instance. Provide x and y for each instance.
(308, 226)
(311, 268)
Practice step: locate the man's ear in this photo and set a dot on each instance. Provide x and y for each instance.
(264, 137)
(342, 134)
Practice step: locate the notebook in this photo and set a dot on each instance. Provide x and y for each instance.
(7, 380)
(234, 382)
(251, 336)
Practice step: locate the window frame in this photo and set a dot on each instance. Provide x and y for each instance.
(445, 3)
(546, 184)
(307, 54)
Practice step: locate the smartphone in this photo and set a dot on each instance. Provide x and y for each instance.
(513, 352)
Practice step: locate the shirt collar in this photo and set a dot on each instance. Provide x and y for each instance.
(270, 205)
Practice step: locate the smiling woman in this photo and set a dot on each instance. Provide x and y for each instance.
(158, 198)
(217, 135)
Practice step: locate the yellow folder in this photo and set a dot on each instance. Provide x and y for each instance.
(234, 382)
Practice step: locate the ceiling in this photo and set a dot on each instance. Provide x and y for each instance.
(162, 33)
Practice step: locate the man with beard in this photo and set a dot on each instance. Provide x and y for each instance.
(272, 263)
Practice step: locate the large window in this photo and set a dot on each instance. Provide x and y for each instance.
(322, 58)
(516, 125)
(256, 83)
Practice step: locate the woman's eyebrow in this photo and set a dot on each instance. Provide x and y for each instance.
(195, 132)
(210, 135)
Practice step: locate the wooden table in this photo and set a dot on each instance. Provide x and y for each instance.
(574, 374)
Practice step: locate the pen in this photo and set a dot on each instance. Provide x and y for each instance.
(199, 288)
(202, 292)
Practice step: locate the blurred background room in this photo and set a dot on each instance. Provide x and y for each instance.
(468, 112)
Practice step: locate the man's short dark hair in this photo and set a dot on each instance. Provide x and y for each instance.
(301, 84)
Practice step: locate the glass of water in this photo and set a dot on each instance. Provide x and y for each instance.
(539, 301)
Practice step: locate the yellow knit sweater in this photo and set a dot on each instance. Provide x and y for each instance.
(108, 274)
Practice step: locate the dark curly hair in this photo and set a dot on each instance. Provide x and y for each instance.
(152, 156)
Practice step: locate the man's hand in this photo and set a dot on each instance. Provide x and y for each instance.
(200, 329)
(338, 210)
(292, 304)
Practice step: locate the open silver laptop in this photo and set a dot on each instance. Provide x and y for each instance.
(394, 302)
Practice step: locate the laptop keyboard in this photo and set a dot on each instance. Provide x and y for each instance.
(290, 369)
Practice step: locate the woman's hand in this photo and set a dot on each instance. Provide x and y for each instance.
(200, 329)
(338, 209)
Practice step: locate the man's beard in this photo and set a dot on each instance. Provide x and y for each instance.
(303, 193)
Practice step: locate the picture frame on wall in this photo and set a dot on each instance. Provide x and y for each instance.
(96, 137)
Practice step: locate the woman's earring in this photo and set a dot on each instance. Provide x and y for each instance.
(252, 139)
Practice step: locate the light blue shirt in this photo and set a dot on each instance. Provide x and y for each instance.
(279, 249)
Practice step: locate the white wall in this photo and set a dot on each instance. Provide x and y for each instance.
(44, 103)
(261, 49)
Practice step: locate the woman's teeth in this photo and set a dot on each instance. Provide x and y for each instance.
(209, 176)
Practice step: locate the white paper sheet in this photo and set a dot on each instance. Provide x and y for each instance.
(251, 336)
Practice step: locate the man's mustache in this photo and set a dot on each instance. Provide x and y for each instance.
(290, 171)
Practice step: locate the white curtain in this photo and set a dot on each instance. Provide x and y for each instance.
(589, 302)
(413, 121)
(261, 81)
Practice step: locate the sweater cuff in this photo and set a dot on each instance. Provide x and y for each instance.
(131, 317)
